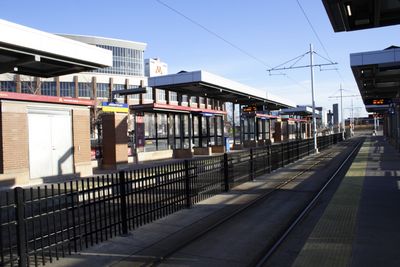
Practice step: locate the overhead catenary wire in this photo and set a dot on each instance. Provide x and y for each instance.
(318, 38)
(265, 64)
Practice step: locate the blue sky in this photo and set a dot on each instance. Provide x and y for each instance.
(271, 31)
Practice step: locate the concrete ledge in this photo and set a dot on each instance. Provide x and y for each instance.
(115, 167)
(202, 151)
(218, 149)
(84, 168)
(182, 153)
(154, 155)
(14, 178)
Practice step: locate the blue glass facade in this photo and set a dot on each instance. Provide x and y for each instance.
(48, 88)
(8, 86)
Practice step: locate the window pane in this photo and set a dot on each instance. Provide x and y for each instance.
(204, 126)
(186, 125)
(195, 126)
(162, 125)
(67, 89)
(102, 90)
(48, 88)
(177, 126)
(85, 89)
(149, 125)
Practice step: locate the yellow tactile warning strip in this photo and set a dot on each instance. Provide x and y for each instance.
(330, 243)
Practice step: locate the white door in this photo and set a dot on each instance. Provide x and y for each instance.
(50, 143)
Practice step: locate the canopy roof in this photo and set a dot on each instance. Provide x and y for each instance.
(202, 83)
(28, 51)
(377, 74)
(353, 15)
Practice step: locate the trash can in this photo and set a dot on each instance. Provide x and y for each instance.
(227, 144)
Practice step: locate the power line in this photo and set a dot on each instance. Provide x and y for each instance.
(265, 64)
(317, 36)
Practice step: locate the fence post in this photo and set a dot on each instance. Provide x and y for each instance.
(269, 158)
(123, 207)
(187, 185)
(226, 172)
(21, 235)
(251, 165)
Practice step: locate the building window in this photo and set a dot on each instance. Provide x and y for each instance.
(118, 87)
(133, 96)
(162, 131)
(184, 98)
(28, 87)
(173, 96)
(150, 143)
(149, 94)
(85, 90)
(193, 99)
(67, 89)
(202, 100)
(49, 88)
(8, 86)
(160, 95)
(102, 90)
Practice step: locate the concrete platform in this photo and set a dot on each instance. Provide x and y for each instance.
(360, 226)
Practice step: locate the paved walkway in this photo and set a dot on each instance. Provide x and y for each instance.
(360, 226)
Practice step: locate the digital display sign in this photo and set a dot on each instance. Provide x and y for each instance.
(249, 109)
(378, 101)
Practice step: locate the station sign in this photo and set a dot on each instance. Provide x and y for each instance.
(114, 107)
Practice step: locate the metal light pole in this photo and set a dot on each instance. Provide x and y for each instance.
(314, 117)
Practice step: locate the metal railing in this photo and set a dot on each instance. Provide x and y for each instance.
(41, 224)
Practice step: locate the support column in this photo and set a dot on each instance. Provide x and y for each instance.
(110, 88)
(233, 123)
(18, 83)
(76, 87)
(241, 124)
(190, 131)
(57, 80)
(115, 140)
(126, 88)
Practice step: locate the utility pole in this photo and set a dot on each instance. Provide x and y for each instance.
(311, 66)
(314, 117)
(342, 124)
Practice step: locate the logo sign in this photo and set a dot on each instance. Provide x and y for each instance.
(114, 107)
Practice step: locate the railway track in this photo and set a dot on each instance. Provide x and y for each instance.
(212, 245)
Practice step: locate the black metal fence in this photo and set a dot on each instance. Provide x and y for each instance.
(41, 224)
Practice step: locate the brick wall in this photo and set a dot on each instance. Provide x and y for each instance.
(81, 141)
(121, 138)
(115, 140)
(81, 135)
(14, 141)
